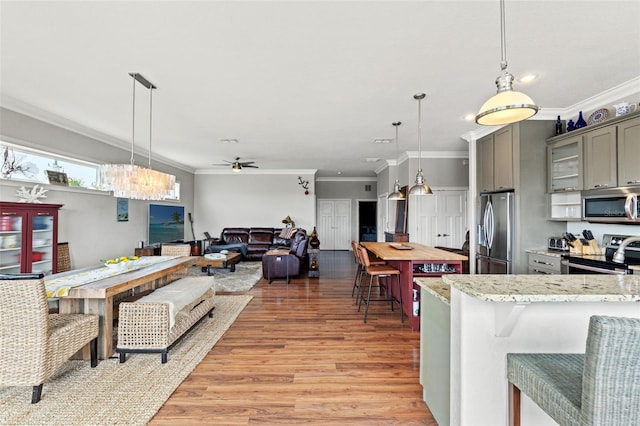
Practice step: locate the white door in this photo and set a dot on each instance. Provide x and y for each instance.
(382, 224)
(439, 219)
(334, 224)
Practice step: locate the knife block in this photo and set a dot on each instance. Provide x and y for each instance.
(577, 247)
(592, 248)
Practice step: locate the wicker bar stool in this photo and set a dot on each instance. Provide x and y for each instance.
(599, 387)
(378, 271)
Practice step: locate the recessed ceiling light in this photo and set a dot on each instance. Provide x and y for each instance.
(371, 160)
(470, 117)
(527, 78)
(227, 140)
(382, 140)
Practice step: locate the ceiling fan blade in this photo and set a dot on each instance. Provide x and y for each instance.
(249, 165)
(246, 163)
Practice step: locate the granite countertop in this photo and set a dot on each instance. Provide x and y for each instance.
(546, 288)
(547, 252)
(436, 287)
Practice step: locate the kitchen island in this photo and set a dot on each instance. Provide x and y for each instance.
(470, 323)
(415, 260)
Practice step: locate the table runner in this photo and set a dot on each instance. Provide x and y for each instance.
(59, 286)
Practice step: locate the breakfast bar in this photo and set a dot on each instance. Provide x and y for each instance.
(470, 322)
(415, 260)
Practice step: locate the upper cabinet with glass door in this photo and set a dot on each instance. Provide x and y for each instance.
(564, 159)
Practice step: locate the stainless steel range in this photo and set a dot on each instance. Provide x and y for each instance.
(603, 263)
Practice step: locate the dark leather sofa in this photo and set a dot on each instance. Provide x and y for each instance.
(258, 240)
(285, 264)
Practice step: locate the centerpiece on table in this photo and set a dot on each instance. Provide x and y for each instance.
(121, 263)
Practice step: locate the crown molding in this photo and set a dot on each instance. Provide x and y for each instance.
(601, 100)
(20, 107)
(251, 171)
(348, 179)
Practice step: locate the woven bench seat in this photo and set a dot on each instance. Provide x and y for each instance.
(154, 322)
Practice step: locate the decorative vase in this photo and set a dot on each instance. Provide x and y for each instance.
(580, 123)
(314, 242)
(570, 126)
(558, 126)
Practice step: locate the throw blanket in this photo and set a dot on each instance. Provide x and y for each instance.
(182, 295)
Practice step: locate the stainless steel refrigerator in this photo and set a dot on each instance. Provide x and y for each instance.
(495, 233)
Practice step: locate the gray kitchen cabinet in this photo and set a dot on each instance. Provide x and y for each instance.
(485, 164)
(600, 158)
(564, 165)
(495, 161)
(544, 264)
(503, 159)
(518, 154)
(629, 152)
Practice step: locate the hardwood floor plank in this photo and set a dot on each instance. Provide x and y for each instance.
(301, 354)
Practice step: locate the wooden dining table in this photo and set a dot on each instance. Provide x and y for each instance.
(101, 297)
(415, 260)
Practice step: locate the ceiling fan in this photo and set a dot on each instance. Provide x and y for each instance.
(237, 165)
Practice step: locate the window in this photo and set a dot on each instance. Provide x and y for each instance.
(25, 164)
(19, 163)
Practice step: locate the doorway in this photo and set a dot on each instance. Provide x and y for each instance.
(334, 224)
(367, 221)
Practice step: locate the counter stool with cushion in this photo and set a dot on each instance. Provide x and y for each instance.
(34, 343)
(360, 271)
(600, 387)
(378, 271)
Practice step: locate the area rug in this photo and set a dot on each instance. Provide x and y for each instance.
(247, 274)
(119, 394)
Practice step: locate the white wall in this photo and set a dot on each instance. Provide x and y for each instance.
(88, 218)
(252, 199)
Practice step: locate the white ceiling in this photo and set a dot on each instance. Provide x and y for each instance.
(306, 84)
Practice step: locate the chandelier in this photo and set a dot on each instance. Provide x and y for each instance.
(130, 180)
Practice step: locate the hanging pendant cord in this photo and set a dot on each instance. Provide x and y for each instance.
(150, 121)
(396, 124)
(503, 38)
(419, 135)
(133, 126)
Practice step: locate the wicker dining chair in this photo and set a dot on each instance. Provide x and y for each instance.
(34, 343)
(64, 259)
(599, 387)
(175, 250)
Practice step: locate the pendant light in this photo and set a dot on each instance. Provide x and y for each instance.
(507, 106)
(136, 182)
(420, 188)
(396, 194)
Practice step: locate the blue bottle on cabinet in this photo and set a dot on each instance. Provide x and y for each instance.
(580, 123)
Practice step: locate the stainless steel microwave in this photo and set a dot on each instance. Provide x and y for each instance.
(614, 205)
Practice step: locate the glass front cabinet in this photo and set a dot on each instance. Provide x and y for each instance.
(28, 238)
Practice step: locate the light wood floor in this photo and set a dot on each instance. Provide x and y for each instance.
(300, 354)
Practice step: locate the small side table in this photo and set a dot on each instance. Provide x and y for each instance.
(146, 251)
(314, 267)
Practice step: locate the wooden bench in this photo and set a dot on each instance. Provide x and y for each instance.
(154, 322)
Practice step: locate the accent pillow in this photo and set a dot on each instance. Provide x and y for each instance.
(288, 233)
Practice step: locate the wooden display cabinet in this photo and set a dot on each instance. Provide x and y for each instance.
(28, 238)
